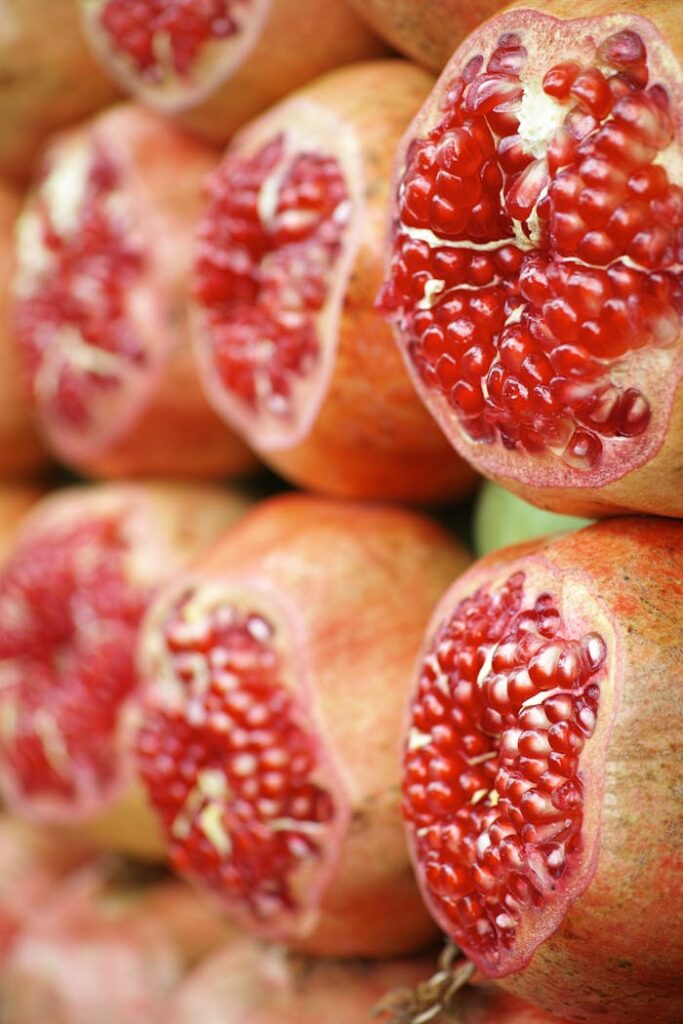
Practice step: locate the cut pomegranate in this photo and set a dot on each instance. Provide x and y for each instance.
(535, 273)
(291, 351)
(426, 32)
(248, 984)
(106, 948)
(73, 589)
(49, 78)
(20, 451)
(501, 518)
(32, 863)
(104, 246)
(222, 62)
(273, 710)
(538, 768)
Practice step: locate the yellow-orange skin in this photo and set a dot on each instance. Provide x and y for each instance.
(176, 433)
(48, 78)
(359, 582)
(617, 956)
(372, 437)
(21, 453)
(427, 31)
(15, 502)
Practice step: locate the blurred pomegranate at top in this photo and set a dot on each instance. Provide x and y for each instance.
(48, 78)
(535, 277)
(221, 62)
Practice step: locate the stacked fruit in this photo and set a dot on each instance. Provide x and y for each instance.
(259, 745)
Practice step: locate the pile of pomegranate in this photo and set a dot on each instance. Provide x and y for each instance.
(341, 512)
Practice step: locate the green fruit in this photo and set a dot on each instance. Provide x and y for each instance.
(501, 519)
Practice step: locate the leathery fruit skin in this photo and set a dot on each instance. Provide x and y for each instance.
(49, 78)
(240, 57)
(110, 945)
(75, 581)
(561, 877)
(292, 353)
(542, 325)
(103, 252)
(275, 689)
(21, 454)
(428, 33)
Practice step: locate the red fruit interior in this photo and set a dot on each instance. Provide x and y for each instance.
(538, 254)
(270, 243)
(68, 625)
(494, 793)
(162, 35)
(78, 294)
(232, 765)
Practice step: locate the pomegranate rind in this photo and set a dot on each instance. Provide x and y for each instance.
(642, 481)
(334, 571)
(586, 969)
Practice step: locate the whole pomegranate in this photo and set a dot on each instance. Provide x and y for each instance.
(20, 450)
(221, 62)
(535, 268)
(107, 948)
(292, 353)
(427, 32)
(103, 252)
(540, 770)
(275, 689)
(49, 78)
(501, 518)
(74, 585)
(246, 983)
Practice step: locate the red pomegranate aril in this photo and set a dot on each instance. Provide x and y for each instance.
(303, 366)
(84, 557)
(584, 185)
(271, 839)
(100, 288)
(556, 826)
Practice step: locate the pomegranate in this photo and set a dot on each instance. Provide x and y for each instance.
(427, 32)
(20, 451)
(535, 267)
(49, 78)
(15, 501)
(104, 246)
(276, 676)
(540, 770)
(249, 984)
(291, 351)
(73, 588)
(106, 948)
(502, 518)
(222, 62)
(32, 863)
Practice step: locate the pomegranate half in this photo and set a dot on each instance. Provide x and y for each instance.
(221, 62)
(20, 451)
(108, 947)
(535, 272)
(103, 253)
(275, 688)
(540, 770)
(74, 586)
(427, 32)
(49, 78)
(292, 353)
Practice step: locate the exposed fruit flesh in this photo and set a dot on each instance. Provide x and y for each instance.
(270, 246)
(69, 622)
(536, 273)
(79, 284)
(508, 697)
(231, 763)
(159, 36)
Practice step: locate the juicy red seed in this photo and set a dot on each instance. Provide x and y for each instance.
(273, 271)
(624, 49)
(231, 769)
(523, 779)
